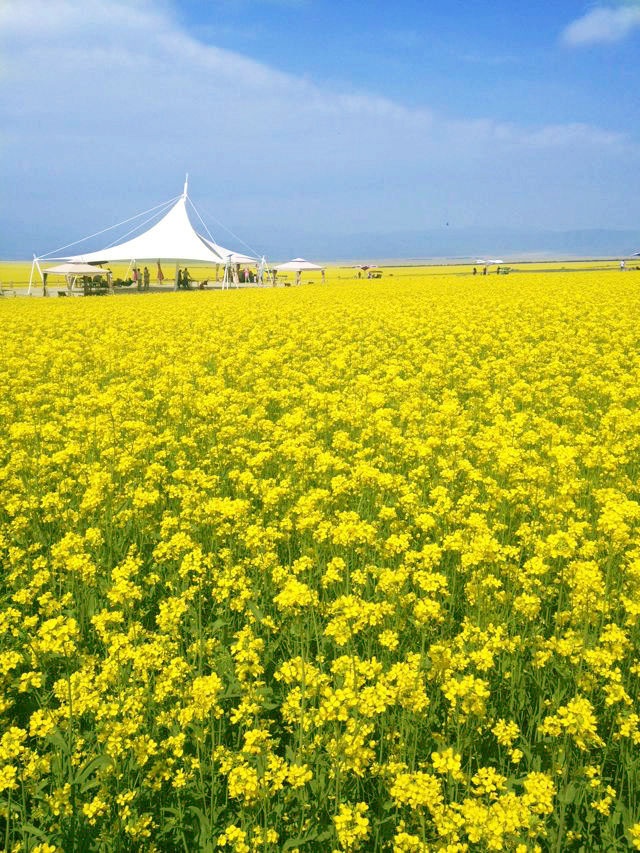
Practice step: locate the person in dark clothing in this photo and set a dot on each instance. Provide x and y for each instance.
(179, 280)
(186, 278)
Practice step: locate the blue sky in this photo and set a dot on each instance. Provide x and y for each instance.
(304, 123)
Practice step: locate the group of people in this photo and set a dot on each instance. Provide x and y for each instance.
(184, 279)
(246, 275)
(485, 270)
(141, 278)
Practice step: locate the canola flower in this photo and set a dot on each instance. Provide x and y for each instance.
(343, 568)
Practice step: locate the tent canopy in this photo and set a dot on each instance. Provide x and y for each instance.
(75, 269)
(228, 255)
(297, 265)
(173, 238)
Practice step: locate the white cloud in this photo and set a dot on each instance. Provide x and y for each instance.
(604, 24)
(69, 18)
(107, 103)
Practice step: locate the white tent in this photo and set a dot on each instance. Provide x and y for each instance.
(74, 268)
(228, 255)
(73, 271)
(297, 265)
(172, 239)
(232, 260)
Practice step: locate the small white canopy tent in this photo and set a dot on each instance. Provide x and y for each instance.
(73, 271)
(172, 239)
(299, 265)
(75, 268)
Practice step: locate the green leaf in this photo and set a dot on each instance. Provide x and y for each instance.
(568, 794)
(93, 766)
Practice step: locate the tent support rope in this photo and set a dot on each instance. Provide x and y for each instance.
(111, 227)
(235, 236)
(138, 226)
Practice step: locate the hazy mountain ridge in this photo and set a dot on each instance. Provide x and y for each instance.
(457, 242)
(443, 242)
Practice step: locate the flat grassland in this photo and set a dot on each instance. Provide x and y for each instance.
(353, 567)
(16, 274)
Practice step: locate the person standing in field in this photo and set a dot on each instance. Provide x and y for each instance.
(179, 282)
(186, 278)
(135, 277)
(160, 274)
(145, 278)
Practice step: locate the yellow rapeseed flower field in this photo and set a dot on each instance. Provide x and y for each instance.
(340, 568)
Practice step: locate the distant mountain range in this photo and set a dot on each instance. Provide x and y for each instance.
(434, 243)
(451, 243)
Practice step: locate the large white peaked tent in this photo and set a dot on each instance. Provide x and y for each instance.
(172, 239)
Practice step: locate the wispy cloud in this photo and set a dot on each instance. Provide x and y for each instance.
(112, 101)
(604, 24)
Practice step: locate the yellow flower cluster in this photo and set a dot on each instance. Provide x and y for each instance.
(343, 568)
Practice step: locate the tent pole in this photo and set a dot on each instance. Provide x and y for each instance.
(33, 264)
(261, 270)
(42, 276)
